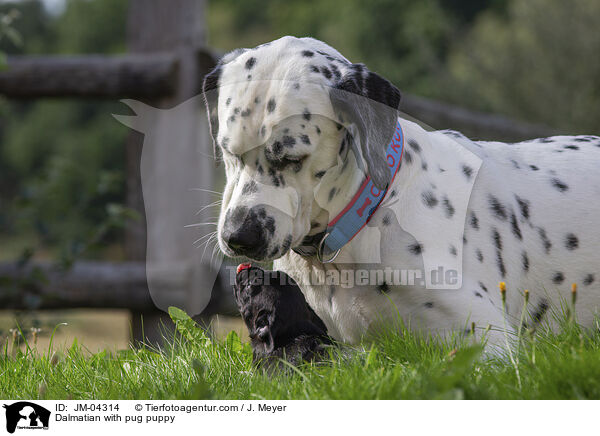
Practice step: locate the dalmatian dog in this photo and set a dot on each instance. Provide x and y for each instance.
(300, 128)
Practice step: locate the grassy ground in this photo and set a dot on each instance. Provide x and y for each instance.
(545, 366)
(95, 329)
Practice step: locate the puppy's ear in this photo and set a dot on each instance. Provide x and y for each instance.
(210, 90)
(370, 102)
(237, 289)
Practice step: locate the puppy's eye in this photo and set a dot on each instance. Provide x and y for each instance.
(262, 319)
(261, 322)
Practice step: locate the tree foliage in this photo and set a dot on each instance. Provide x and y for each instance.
(540, 62)
(61, 162)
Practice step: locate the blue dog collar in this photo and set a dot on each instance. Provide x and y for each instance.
(346, 225)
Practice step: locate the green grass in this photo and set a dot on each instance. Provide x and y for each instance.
(397, 366)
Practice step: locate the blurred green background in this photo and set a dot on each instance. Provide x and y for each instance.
(62, 162)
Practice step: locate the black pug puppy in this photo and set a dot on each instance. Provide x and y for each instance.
(280, 322)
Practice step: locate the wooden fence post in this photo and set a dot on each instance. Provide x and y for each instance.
(173, 26)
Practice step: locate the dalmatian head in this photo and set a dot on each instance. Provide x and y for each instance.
(297, 126)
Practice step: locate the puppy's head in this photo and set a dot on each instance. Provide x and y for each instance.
(273, 309)
(294, 122)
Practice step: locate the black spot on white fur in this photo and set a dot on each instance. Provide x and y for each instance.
(414, 145)
(332, 193)
(448, 208)
(545, 241)
(473, 220)
(497, 208)
(497, 239)
(467, 171)
(559, 185)
(386, 220)
(499, 260)
(558, 278)
(514, 225)
(250, 63)
(415, 248)
(250, 188)
(326, 72)
(429, 199)
(540, 311)
(523, 206)
(571, 242)
(500, 263)
(288, 141)
(525, 261)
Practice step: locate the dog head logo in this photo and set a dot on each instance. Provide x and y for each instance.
(26, 415)
(177, 191)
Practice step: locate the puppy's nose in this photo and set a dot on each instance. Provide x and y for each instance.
(243, 232)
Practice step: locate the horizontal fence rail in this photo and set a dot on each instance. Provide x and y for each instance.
(116, 285)
(474, 124)
(155, 75)
(94, 76)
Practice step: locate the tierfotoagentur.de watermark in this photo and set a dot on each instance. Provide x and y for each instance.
(349, 278)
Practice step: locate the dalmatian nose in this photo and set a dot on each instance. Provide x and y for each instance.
(244, 233)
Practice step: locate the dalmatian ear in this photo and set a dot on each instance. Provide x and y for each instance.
(210, 90)
(371, 103)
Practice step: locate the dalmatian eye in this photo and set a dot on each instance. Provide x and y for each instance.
(289, 160)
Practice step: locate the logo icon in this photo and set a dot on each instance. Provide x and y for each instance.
(26, 415)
